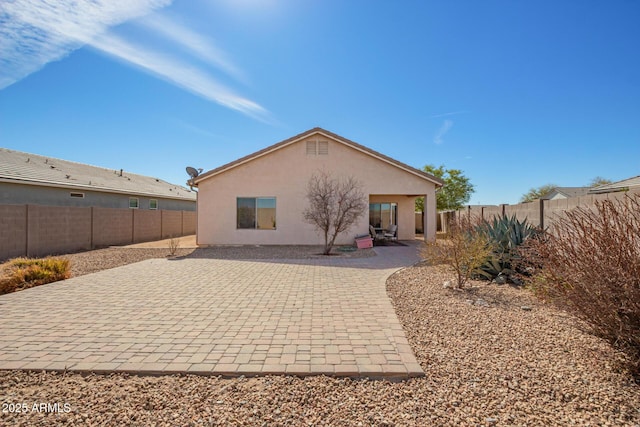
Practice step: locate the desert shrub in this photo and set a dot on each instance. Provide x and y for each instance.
(174, 244)
(21, 273)
(506, 234)
(463, 251)
(590, 265)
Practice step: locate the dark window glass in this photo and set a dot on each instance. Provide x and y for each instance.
(382, 215)
(246, 212)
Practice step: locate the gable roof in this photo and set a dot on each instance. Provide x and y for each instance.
(32, 169)
(568, 191)
(622, 185)
(319, 131)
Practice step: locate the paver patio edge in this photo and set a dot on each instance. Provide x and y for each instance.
(215, 317)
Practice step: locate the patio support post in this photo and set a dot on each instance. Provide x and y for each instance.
(429, 220)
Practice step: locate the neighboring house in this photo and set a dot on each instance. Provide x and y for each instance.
(33, 179)
(566, 192)
(624, 185)
(260, 198)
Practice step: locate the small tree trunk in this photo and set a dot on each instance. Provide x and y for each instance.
(328, 246)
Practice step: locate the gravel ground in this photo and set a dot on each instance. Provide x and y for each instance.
(102, 259)
(487, 361)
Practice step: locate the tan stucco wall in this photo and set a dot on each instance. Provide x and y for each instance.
(284, 174)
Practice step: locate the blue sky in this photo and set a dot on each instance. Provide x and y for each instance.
(517, 94)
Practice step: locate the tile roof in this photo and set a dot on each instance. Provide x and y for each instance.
(569, 191)
(617, 186)
(26, 168)
(336, 137)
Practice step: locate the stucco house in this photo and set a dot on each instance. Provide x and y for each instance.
(27, 178)
(260, 198)
(565, 193)
(628, 184)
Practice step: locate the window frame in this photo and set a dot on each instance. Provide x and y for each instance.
(255, 218)
(156, 206)
(137, 203)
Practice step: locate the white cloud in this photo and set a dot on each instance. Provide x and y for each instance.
(446, 127)
(181, 74)
(36, 32)
(200, 46)
(453, 113)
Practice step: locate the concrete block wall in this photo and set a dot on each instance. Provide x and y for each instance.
(552, 210)
(57, 229)
(112, 226)
(529, 211)
(188, 223)
(475, 211)
(491, 211)
(147, 226)
(39, 230)
(13, 231)
(418, 220)
(171, 224)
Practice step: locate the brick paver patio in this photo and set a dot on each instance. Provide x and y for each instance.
(218, 317)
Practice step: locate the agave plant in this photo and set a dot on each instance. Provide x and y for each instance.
(505, 234)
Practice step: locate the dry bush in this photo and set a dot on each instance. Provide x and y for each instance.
(464, 251)
(174, 244)
(335, 205)
(590, 265)
(22, 273)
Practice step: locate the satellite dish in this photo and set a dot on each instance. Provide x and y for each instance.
(192, 172)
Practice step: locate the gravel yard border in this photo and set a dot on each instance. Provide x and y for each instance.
(101, 259)
(493, 355)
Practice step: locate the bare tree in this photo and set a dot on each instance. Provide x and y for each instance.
(334, 205)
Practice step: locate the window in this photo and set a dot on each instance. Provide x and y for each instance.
(317, 148)
(257, 213)
(78, 195)
(133, 202)
(382, 215)
(153, 204)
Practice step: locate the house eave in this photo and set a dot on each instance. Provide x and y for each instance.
(70, 186)
(316, 131)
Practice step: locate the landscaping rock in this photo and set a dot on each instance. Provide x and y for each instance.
(504, 366)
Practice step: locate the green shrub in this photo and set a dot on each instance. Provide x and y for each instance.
(463, 251)
(590, 265)
(505, 235)
(22, 273)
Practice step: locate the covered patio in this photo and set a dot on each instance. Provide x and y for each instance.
(386, 210)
